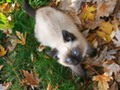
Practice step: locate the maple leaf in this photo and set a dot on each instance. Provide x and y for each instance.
(21, 38)
(102, 81)
(29, 79)
(2, 51)
(111, 67)
(105, 54)
(8, 7)
(106, 31)
(87, 13)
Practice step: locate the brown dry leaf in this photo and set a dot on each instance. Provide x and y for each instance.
(87, 13)
(8, 8)
(29, 79)
(117, 77)
(2, 51)
(41, 48)
(105, 8)
(49, 87)
(7, 85)
(5, 7)
(102, 81)
(114, 86)
(21, 38)
(1, 66)
(111, 67)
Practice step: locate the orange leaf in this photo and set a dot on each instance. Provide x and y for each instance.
(87, 13)
(2, 51)
(29, 79)
(21, 38)
(102, 81)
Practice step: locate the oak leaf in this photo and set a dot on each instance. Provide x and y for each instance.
(29, 79)
(21, 38)
(2, 51)
(102, 81)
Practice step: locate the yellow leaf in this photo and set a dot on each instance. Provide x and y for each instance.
(87, 13)
(21, 38)
(104, 36)
(106, 27)
(115, 24)
(102, 81)
(2, 51)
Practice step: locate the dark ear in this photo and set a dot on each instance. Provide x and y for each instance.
(67, 36)
(53, 53)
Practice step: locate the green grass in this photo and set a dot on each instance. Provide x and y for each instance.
(48, 70)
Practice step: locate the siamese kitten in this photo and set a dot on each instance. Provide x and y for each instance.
(57, 31)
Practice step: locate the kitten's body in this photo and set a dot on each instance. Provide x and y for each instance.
(57, 30)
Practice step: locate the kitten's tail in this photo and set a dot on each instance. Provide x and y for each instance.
(30, 11)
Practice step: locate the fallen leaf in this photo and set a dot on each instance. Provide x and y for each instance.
(1, 66)
(49, 87)
(114, 86)
(7, 85)
(106, 54)
(5, 23)
(102, 81)
(105, 8)
(106, 29)
(111, 68)
(21, 38)
(29, 79)
(117, 40)
(117, 77)
(87, 13)
(41, 48)
(76, 4)
(2, 51)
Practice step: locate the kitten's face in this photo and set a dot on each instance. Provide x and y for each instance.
(72, 51)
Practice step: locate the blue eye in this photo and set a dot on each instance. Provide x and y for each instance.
(75, 52)
(68, 60)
